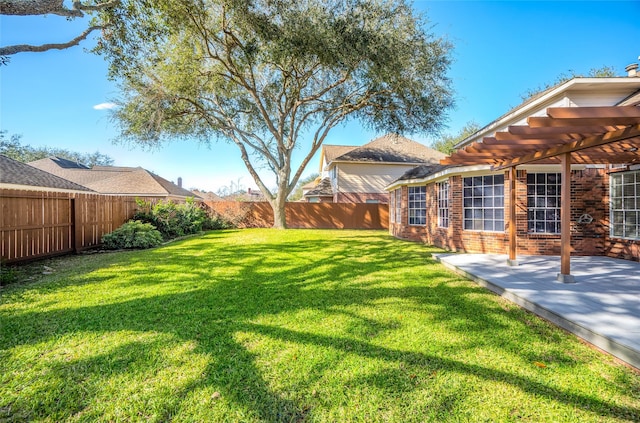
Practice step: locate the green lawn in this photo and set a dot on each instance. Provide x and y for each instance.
(289, 326)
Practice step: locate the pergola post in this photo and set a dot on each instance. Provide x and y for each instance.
(565, 221)
(513, 243)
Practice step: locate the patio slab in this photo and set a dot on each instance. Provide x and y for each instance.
(602, 307)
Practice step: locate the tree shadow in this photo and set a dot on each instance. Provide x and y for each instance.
(203, 292)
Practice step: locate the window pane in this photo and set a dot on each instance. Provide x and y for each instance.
(544, 206)
(625, 205)
(484, 203)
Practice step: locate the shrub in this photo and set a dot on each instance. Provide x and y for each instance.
(133, 234)
(7, 275)
(175, 220)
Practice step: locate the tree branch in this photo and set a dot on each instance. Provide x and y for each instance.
(23, 48)
(46, 7)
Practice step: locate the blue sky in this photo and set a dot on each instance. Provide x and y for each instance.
(502, 50)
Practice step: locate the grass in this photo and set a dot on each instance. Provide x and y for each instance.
(288, 326)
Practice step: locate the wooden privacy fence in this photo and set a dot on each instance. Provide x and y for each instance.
(38, 224)
(306, 215)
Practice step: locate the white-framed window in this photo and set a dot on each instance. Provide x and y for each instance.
(543, 202)
(483, 203)
(417, 205)
(392, 207)
(625, 205)
(333, 176)
(443, 204)
(372, 201)
(398, 195)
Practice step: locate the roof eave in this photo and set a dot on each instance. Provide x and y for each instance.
(437, 175)
(4, 185)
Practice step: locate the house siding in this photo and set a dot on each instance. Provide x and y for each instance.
(368, 178)
(589, 194)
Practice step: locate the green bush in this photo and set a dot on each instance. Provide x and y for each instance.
(133, 234)
(7, 275)
(176, 220)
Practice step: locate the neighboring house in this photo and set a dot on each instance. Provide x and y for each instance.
(207, 195)
(359, 174)
(127, 181)
(21, 176)
(464, 203)
(319, 192)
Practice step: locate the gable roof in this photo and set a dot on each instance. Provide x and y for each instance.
(331, 152)
(113, 179)
(13, 172)
(391, 148)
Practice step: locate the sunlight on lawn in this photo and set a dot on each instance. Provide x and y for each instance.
(263, 325)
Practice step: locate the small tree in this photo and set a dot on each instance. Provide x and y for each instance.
(273, 76)
(297, 193)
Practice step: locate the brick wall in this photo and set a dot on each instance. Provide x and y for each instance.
(589, 194)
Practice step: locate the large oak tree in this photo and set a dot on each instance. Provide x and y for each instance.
(273, 76)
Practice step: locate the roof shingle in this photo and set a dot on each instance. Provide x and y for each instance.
(16, 173)
(391, 148)
(114, 179)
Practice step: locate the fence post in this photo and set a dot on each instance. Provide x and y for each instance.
(76, 225)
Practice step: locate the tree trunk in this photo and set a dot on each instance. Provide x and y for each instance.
(279, 216)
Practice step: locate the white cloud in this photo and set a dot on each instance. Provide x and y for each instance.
(105, 106)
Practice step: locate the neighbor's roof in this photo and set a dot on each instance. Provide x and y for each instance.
(323, 189)
(391, 148)
(331, 152)
(13, 172)
(113, 179)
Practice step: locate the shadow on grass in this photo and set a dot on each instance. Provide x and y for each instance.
(205, 291)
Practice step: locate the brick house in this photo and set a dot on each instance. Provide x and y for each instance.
(359, 174)
(509, 175)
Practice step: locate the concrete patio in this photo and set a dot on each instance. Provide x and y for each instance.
(602, 307)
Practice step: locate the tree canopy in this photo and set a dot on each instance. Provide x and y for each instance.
(601, 72)
(12, 147)
(447, 142)
(273, 76)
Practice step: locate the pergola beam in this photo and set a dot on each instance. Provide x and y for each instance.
(549, 122)
(544, 131)
(517, 142)
(605, 112)
(590, 142)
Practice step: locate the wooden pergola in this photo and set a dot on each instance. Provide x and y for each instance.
(566, 136)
